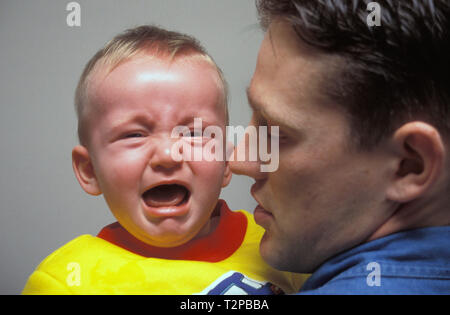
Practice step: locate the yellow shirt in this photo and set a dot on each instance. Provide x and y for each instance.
(93, 265)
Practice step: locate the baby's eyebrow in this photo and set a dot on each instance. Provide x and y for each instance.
(187, 120)
(191, 119)
(137, 118)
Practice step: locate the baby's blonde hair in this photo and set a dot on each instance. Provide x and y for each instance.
(150, 40)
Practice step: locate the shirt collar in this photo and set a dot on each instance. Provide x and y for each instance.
(420, 247)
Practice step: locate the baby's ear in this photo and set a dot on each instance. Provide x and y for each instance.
(227, 175)
(84, 170)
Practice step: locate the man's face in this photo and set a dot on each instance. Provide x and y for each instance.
(325, 195)
(132, 113)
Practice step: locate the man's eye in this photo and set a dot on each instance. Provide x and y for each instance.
(282, 137)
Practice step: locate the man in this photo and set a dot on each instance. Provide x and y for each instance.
(361, 196)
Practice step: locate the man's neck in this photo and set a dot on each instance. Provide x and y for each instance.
(417, 214)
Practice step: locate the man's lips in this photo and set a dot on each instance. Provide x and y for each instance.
(261, 215)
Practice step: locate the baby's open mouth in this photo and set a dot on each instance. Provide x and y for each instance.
(168, 195)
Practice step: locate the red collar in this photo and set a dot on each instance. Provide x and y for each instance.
(222, 243)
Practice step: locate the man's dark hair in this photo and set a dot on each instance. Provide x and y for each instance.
(392, 73)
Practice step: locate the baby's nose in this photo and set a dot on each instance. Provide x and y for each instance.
(162, 157)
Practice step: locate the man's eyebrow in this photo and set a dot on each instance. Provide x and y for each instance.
(258, 107)
(255, 106)
(275, 118)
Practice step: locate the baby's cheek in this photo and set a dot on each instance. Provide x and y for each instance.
(211, 172)
(208, 178)
(121, 172)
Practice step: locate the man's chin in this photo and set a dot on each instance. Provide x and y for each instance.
(270, 252)
(282, 258)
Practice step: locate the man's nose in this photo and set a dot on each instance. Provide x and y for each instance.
(242, 161)
(162, 157)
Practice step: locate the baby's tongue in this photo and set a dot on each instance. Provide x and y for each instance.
(165, 196)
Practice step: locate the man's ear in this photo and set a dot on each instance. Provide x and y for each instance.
(84, 170)
(421, 156)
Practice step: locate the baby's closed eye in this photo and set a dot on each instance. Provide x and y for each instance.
(134, 135)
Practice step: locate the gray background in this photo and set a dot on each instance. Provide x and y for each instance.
(41, 59)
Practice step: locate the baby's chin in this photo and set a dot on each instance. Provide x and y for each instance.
(169, 233)
(174, 214)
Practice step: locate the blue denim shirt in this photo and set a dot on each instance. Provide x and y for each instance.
(410, 262)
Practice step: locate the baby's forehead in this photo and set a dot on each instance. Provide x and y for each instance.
(148, 67)
(104, 68)
(107, 83)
